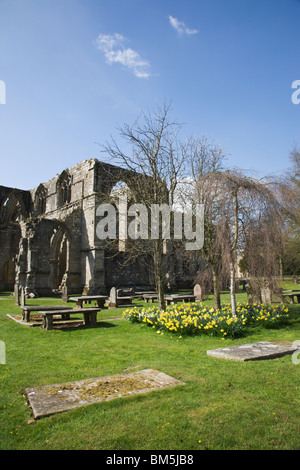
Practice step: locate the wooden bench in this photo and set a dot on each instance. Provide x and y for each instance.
(291, 296)
(124, 300)
(150, 297)
(89, 314)
(27, 309)
(170, 299)
(140, 295)
(100, 299)
(173, 299)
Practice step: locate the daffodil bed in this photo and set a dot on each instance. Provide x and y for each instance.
(196, 318)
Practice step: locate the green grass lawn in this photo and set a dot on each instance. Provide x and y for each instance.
(224, 404)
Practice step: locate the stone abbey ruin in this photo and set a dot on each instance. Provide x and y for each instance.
(48, 237)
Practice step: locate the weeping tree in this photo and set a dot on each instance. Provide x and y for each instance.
(242, 217)
(251, 225)
(290, 195)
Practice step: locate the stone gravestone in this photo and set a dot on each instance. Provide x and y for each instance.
(64, 293)
(266, 295)
(253, 292)
(86, 290)
(113, 298)
(265, 291)
(198, 292)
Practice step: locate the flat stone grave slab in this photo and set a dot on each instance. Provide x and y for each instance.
(255, 351)
(50, 399)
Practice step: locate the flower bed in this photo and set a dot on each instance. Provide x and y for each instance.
(196, 318)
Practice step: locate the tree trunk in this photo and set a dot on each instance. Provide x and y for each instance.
(232, 287)
(232, 255)
(159, 278)
(217, 297)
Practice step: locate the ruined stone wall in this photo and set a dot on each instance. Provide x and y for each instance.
(76, 218)
(48, 235)
(15, 206)
(9, 243)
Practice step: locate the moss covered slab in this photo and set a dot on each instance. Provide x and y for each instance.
(254, 351)
(50, 399)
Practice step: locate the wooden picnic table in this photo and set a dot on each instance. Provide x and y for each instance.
(291, 296)
(173, 299)
(124, 300)
(27, 309)
(89, 314)
(100, 299)
(140, 295)
(150, 297)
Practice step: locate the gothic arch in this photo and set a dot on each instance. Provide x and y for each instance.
(63, 188)
(59, 256)
(13, 208)
(40, 200)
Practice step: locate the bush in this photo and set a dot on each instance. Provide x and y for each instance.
(195, 318)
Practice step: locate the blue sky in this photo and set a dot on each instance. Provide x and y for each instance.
(74, 70)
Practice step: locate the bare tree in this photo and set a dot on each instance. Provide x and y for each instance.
(152, 152)
(205, 161)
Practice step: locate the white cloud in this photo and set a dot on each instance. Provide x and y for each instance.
(181, 27)
(115, 51)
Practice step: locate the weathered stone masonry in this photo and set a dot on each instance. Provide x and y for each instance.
(48, 234)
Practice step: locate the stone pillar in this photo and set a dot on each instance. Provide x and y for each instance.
(17, 293)
(21, 266)
(94, 272)
(30, 287)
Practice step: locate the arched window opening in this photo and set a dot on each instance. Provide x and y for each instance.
(13, 209)
(64, 189)
(59, 257)
(40, 200)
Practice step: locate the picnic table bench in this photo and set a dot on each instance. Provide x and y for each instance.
(177, 298)
(100, 299)
(27, 309)
(89, 314)
(291, 296)
(140, 294)
(170, 298)
(125, 296)
(150, 297)
(124, 300)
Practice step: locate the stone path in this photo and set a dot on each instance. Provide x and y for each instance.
(50, 399)
(255, 351)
